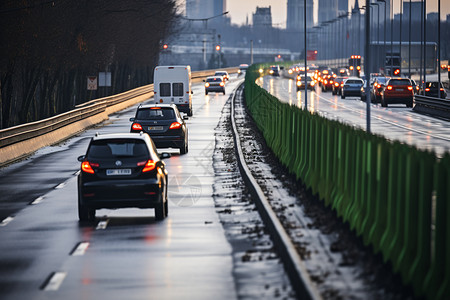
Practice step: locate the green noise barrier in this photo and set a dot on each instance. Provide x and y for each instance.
(394, 196)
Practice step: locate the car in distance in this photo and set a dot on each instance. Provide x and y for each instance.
(164, 124)
(242, 69)
(214, 84)
(432, 90)
(337, 85)
(377, 87)
(398, 91)
(122, 170)
(224, 74)
(275, 70)
(353, 86)
(311, 83)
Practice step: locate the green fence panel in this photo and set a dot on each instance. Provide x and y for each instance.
(393, 195)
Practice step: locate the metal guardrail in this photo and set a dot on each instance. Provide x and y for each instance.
(9, 136)
(432, 106)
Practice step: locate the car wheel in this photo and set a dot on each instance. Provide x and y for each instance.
(383, 102)
(185, 147)
(84, 213)
(333, 92)
(409, 104)
(342, 96)
(190, 112)
(160, 211)
(206, 92)
(223, 92)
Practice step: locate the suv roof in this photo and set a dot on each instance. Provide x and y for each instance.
(171, 105)
(138, 136)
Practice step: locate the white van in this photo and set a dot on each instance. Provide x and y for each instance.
(172, 84)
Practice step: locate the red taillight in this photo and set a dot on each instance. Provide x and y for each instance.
(155, 107)
(410, 88)
(331, 81)
(207, 84)
(136, 126)
(86, 167)
(149, 165)
(427, 89)
(175, 125)
(336, 84)
(442, 89)
(389, 87)
(222, 84)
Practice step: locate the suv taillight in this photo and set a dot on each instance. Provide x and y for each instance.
(389, 87)
(175, 125)
(149, 165)
(87, 167)
(136, 126)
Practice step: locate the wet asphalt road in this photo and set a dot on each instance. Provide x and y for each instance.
(395, 122)
(124, 254)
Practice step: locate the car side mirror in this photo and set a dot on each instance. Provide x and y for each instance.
(81, 158)
(131, 119)
(204, 80)
(165, 155)
(192, 92)
(185, 118)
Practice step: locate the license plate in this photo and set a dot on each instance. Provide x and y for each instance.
(155, 128)
(113, 172)
(399, 90)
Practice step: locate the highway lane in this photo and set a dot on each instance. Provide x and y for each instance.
(124, 254)
(395, 122)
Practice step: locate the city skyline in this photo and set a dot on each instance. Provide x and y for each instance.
(239, 10)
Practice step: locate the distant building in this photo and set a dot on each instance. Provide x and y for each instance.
(415, 11)
(342, 6)
(262, 17)
(295, 14)
(328, 10)
(201, 9)
(433, 17)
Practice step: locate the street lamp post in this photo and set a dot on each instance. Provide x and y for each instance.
(367, 65)
(400, 38)
(424, 44)
(439, 48)
(409, 36)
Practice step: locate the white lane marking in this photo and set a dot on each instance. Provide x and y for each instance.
(37, 200)
(81, 249)
(102, 225)
(60, 186)
(6, 221)
(55, 281)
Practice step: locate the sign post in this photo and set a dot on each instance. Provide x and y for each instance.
(92, 83)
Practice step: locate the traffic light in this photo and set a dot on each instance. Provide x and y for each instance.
(397, 71)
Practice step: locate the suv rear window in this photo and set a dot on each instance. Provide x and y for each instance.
(155, 114)
(117, 148)
(213, 79)
(399, 82)
(354, 81)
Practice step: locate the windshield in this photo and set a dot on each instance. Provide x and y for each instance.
(399, 82)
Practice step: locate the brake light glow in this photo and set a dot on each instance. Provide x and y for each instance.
(389, 87)
(427, 89)
(155, 107)
(336, 84)
(136, 126)
(175, 125)
(325, 81)
(442, 89)
(149, 165)
(312, 83)
(86, 167)
(222, 84)
(207, 84)
(410, 88)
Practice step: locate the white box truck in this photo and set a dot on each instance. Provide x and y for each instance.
(172, 84)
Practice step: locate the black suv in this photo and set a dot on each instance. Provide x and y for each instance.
(164, 124)
(122, 170)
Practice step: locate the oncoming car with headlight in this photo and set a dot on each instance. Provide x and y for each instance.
(214, 84)
(122, 170)
(309, 81)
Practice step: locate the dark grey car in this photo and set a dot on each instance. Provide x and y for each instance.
(353, 86)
